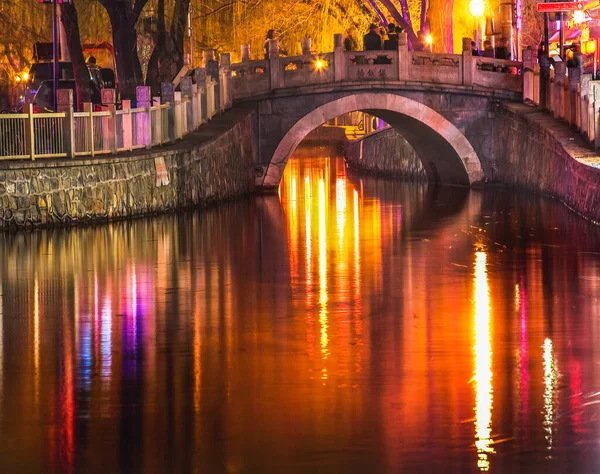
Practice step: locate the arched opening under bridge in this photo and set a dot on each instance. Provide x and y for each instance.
(447, 156)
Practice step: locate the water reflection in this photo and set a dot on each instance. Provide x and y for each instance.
(351, 325)
(484, 392)
(550, 380)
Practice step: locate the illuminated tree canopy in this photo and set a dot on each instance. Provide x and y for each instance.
(150, 36)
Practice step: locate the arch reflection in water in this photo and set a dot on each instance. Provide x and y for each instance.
(483, 365)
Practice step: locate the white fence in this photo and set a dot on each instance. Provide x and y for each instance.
(69, 134)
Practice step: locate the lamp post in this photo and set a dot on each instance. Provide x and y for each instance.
(477, 8)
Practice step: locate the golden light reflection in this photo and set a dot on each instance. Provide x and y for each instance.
(340, 192)
(323, 272)
(483, 365)
(550, 379)
(36, 336)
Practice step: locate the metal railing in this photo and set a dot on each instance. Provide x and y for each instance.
(90, 133)
(31, 136)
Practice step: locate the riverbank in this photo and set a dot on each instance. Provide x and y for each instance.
(538, 153)
(531, 150)
(213, 164)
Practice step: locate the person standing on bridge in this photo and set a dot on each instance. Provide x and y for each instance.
(350, 43)
(391, 44)
(372, 40)
(271, 35)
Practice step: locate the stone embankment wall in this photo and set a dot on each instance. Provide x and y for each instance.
(198, 171)
(384, 153)
(537, 152)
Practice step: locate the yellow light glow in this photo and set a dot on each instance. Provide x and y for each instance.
(578, 16)
(429, 39)
(25, 76)
(17, 78)
(320, 64)
(323, 297)
(483, 365)
(477, 7)
(590, 47)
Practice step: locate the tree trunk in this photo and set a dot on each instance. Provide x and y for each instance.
(123, 16)
(167, 57)
(69, 20)
(129, 70)
(440, 22)
(153, 77)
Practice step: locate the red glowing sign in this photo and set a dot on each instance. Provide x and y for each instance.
(559, 7)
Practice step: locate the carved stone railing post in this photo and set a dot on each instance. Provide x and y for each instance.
(275, 70)
(558, 92)
(127, 124)
(143, 99)
(187, 113)
(306, 45)
(339, 59)
(575, 75)
(227, 96)
(468, 63)
(596, 115)
(567, 100)
(528, 75)
(583, 104)
(403, 58)
(245, 50)
(591, 100)
(64, 104)
(536, 83)
(167, 95)
(200, 79)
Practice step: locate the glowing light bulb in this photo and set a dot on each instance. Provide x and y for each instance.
(320, 64)
(477, 7)
(428, 39)
(25, 76)
(578, 16)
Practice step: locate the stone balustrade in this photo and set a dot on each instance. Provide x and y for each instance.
(566, 93)
(252, 78)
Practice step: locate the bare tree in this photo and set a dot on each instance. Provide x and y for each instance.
(168, 55)
(123, 17)
(70, 22)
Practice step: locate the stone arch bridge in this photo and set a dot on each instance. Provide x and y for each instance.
(443, 104)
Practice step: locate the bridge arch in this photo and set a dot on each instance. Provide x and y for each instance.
(447, 156)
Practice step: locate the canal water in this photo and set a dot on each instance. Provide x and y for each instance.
(348, 325)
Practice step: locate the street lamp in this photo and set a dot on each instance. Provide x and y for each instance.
(477, 8)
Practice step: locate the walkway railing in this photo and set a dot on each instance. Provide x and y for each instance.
(154, 122)
(568, 95)
(259, 77)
